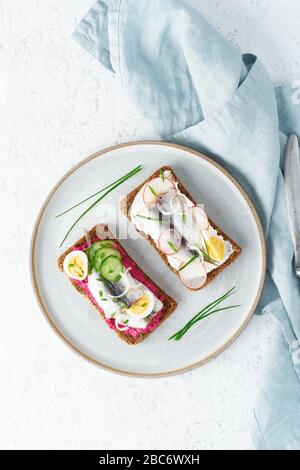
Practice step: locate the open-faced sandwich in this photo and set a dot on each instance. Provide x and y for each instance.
(191, 244)
(125, 297)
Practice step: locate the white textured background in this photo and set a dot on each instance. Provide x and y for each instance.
(57, 105)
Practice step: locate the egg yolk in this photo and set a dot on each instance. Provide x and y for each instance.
(76, 267)
(140, 305)
(215, 248)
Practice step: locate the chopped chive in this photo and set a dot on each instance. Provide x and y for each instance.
(126, 177)
(162, 175)
(144, 305)
(206, 256)
(171, 245)
(156, 219)
(152, 190)
(125, 322)
(101, 293)
(148, 218)
(184, 217)
(71, 265)
(189, 262)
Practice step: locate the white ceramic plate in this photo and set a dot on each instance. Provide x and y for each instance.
(79, 324)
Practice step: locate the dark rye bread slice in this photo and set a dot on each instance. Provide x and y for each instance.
(97, 232)
(125, 207)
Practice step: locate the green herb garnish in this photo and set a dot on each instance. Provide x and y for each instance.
(71, 265)
(189, 262)
(205, 312)
(171, 245)
(111, 188)
(148, 218)
(184, 217)
(207, 258)
(205, 253)
(162, 175)
(100, 191)
(206, 247)
(152, 190)
(101, 296)
(156, 219)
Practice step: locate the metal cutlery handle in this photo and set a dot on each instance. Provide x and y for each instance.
(292, 190)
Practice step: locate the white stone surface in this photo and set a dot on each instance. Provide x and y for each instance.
(58, 105)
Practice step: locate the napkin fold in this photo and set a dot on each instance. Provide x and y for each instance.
(197, 89)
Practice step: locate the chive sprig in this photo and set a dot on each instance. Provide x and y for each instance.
(210, 309)
(108, 189)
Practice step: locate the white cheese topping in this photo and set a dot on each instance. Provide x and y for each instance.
(102, 295)
(145, 219)
(113, 308)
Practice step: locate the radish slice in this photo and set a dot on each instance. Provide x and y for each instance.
(169, 241)
(120, 328)
(194, 275)
(155, 188)
(118, 323)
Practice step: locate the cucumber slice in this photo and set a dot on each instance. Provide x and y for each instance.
(103, 244)
(111, 269)
(102, 254)
(91, 252)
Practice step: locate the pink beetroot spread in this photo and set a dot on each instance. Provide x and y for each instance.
(137, 274)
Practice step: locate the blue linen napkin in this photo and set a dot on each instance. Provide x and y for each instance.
(198, 90)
